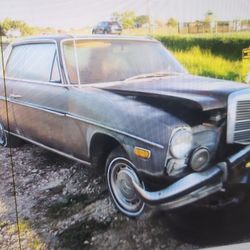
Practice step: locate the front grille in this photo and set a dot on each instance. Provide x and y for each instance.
(239, 117)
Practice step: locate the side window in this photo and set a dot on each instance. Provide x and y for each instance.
(31, 62)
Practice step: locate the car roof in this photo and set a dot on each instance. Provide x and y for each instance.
(59, 38)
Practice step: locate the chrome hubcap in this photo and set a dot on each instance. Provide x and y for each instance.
(121, 176)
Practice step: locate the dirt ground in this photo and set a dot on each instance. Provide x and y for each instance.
(65, 205)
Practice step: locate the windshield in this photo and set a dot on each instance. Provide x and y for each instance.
(95, 61)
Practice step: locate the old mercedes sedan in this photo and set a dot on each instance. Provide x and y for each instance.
(163, 137)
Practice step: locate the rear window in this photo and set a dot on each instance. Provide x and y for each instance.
(31, 62)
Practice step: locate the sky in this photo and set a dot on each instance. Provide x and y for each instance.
(64, 14)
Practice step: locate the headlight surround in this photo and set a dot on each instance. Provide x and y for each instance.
(181, 142)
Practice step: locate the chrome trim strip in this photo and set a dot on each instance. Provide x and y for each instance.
(49, 148)
(38, 107)
(74, 116)
(39, 82)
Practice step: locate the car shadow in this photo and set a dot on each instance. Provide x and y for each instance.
(205, 227)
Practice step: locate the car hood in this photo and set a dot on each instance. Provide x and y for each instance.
(199, 92)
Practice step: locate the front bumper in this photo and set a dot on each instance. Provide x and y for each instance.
(195, 186)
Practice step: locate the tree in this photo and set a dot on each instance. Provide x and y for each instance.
(1, 30)
(172, 22)
(141, 20)
(126, 18)
(24, 28)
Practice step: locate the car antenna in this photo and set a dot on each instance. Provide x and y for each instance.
(9, 138)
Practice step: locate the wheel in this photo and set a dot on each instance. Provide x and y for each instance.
(119, 174)
(105, 32)
(9, 140)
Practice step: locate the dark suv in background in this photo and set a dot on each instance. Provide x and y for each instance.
(108, 27)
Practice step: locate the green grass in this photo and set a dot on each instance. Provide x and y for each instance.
(204, 63)
(26, 232)
(229, 46)
(214, 55)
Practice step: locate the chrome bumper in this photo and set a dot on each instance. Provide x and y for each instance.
(195, 186)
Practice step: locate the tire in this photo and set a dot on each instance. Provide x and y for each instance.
(7, 140)
(105, 32)
(118, 172)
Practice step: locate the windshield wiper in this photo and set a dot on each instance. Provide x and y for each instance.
(151, 75)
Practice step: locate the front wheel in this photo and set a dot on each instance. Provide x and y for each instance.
(119, 174)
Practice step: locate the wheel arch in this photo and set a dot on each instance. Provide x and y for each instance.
(101, 144)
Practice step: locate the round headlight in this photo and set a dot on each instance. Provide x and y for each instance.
(200, 159)
(181, 143)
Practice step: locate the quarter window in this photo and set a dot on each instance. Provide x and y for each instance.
(31, 62)
(55, 75)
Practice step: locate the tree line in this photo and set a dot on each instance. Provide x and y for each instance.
(129, 19)
(24, 29)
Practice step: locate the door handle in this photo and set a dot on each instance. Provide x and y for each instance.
(15, 96)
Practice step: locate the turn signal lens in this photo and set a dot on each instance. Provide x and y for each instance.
(142, 153)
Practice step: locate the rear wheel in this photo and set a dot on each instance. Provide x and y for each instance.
(120, 172)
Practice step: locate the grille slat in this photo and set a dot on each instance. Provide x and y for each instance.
(241, 117)
(242, 126)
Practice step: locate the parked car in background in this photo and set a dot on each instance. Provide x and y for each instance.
(163, 137)
(108, 27)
